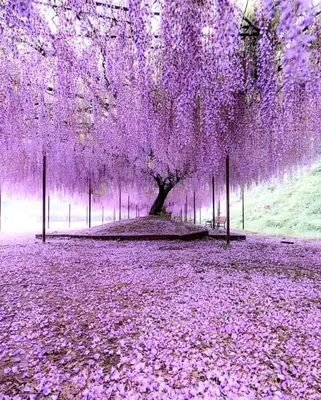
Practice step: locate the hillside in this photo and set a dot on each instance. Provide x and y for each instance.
(290, 208)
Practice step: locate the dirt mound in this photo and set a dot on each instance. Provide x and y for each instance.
(150, 225)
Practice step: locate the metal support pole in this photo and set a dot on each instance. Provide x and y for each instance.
(213, 202)
(69, 215)
(128, 202)
(243, 209)
(186, 216)
(194, 202)
(228, 200)
(89, 204)
(86, 216)
(136, 210)
(48, 219)
(114, 217)
(119, 203)
(44, 171)
(181, 214)
(102, 215)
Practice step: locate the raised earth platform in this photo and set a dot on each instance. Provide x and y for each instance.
(144, 228)
(221, 235)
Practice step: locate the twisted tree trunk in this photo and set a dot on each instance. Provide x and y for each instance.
(164, 187)
(158, 204)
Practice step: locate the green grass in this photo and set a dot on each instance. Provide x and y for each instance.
(295, 206)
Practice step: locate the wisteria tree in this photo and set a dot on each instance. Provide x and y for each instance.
(158, 91)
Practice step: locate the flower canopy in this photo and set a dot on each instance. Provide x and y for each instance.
(127, 91)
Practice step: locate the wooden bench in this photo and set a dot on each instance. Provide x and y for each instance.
(219, 222)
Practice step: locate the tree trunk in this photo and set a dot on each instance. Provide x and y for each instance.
(158, 204)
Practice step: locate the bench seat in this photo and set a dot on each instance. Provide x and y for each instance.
(219, 222)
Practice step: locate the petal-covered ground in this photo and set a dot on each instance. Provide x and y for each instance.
(160, 320)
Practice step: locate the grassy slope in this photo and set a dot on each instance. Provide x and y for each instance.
(295, 207)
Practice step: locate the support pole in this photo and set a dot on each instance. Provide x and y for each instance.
(228, 200)
(243, 208)
(194, 203)
(114, 216)
(102, 215)
(181, 215)
(186, 217)
(119, 203)
(136, 210)
(69, 215)
(44, 171)
(200, 216)
(48, 220)
(213, 202)
(89, 204)
(86, 215)
(128, 210)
